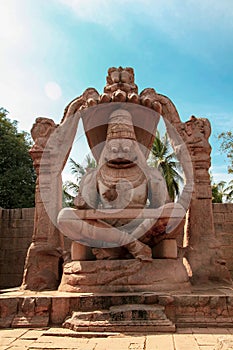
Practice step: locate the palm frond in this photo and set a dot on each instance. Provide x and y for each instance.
(163, 157)
(76, 168)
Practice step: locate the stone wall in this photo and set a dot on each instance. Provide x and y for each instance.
(223, 223)
(16, 228)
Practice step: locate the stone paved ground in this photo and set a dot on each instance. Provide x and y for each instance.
(58, 338)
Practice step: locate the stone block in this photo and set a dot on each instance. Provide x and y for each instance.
(228, 217)
(42, 305)
(152, 299)
(6, 231)
(59, 310)
(14, 262)
(6, 214)
(129, 299)
(228, 256)
(15, 243)
(230, 300)
(27, 306)
(226, 238)
(20, 320)
(203, 191)
(203, 300)
(11, 280)
(16, 213)
(218, 227)
(165, 249)
(186, 300)
(219, 217)
(15, 223)
(228, 227)
(28, 214)
(8, 308)
(133, 317)
(224, 207)
(219, 208)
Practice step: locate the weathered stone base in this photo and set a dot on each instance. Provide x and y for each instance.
(123, 318)
(203, 308)
(24, 312)
(104, 276)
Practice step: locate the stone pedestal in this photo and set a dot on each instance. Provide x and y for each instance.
(123, 318)
(104, 276)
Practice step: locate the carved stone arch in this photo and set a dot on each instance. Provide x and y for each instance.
(169, 110)
(204, 254)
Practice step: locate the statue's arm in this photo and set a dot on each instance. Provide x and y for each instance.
(87, 196)
(158, 194)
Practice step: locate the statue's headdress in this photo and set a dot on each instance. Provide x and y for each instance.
(116, 120)
(120, 125)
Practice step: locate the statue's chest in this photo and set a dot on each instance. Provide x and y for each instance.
(122, 194)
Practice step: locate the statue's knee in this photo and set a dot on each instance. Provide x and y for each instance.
(63, 215)
(66, 216)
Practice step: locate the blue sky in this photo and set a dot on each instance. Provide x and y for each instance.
(52, 50)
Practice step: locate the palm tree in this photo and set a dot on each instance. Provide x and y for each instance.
(70, 188)
(221, 193)
(229, 191)
(163, 158)
(218, 191)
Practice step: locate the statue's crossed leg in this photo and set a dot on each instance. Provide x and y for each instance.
(109, 241)
(101, 235)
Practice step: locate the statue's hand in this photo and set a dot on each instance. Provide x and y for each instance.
(79, 202)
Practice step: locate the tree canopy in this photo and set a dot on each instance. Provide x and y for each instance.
(17, 176)
(227, 147)
(221, 191)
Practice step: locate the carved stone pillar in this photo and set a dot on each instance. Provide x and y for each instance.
(41, 266)
(204, 255)
(49, 153)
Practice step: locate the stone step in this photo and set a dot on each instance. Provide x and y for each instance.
(122, 327)
(65, 332)
(20, 320)
(123, 318)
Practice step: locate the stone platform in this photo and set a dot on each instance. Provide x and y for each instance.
(122, 318)
(204, 306)
(108, 276)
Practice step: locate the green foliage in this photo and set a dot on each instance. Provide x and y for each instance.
(17, 176)
(221, 192)
(70, 189)
(227, 147)
(165, 160)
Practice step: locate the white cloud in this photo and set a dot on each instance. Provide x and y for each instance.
(191, 25)
(221, 177)
(22, 70)
(101, 11)
(53, 90)
(14, 34)
(219, 173)
(167, 15)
